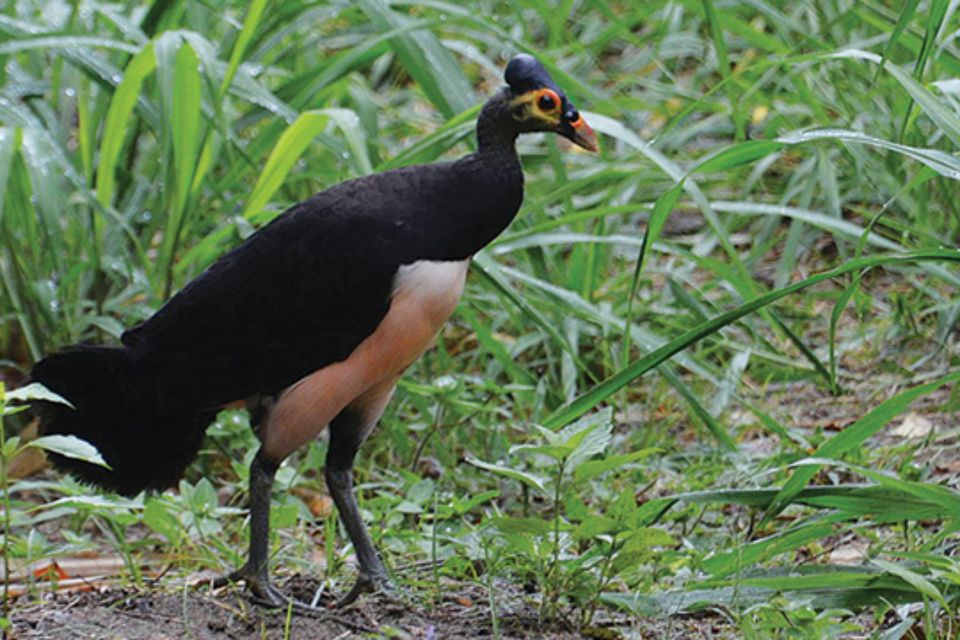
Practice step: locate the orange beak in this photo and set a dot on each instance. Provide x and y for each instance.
(583, 135)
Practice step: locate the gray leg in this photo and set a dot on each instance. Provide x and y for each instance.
(347, 433)
(256, 572)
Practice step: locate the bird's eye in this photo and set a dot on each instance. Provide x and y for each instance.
(574, 118)
(547, 101)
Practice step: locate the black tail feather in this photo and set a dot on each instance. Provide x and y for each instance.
(147, 442)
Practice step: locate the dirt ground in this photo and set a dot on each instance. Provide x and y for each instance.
(199, 614)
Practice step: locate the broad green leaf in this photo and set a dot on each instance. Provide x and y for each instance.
(595, 526)
(36, 391)
(70, 447)
(588, 436)
(186, 121)
(644, 538)
(558, 452)
(815, 577)
(525, 526)
(884, 502)
(158, 516)
(845, 589)
(66, 42)
(822, 586)
(475, 501)
(184, 98)
(95, 502)
(593, 468)
(946, 500)
(526, 478)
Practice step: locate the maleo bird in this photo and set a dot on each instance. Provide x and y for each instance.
(310, 321)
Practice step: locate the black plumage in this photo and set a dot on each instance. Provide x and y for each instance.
(297, 296)
(337, 251)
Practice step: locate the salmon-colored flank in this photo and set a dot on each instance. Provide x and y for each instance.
(425, 294)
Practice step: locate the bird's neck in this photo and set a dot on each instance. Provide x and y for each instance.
(496, 130)
(475, 197)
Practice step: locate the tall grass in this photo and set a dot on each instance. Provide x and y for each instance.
(810, 147)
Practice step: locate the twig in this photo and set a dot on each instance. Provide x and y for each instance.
(320, 614)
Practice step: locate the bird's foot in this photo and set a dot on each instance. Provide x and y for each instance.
(262, 590)
(376, 583)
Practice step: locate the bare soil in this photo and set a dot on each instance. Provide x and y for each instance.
(201, 614)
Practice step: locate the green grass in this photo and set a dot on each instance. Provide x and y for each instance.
(813, 147)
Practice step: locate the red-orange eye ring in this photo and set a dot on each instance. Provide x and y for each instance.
(548, 100)
(575, 119)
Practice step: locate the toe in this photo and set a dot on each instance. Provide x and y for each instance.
(261, 589)
(238, 575)
(367, 583)
(268, 595)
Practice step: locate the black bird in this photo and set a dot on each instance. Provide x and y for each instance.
(311, 321)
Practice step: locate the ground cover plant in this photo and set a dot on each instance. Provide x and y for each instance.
(705, 384)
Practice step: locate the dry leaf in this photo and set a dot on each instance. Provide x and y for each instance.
(29, 461)
(320, 504)
(68, 567)
(853, 553)
(914, 425)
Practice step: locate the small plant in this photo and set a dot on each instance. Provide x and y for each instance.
(12, 402)
(577, 553)
(783, 618)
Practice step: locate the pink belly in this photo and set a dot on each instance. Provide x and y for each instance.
(424, 296)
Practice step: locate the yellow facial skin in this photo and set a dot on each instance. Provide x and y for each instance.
(540, 104)
(545, 108)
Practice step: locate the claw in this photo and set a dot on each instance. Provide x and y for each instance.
(368, 583)
(262, 590)
(270, 596)
(237, 575)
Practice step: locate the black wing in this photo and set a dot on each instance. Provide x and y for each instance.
(299, 294)
(305, 290)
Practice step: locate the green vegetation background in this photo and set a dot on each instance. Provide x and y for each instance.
(768, 230)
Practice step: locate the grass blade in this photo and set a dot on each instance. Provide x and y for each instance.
(614, 383)
(855, 435)
(118, 117)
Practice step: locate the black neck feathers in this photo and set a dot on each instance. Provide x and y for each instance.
(497, 131)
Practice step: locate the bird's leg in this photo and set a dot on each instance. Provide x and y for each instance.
(344, 442)
(255, 573)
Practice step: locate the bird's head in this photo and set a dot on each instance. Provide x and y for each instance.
(536, 103)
